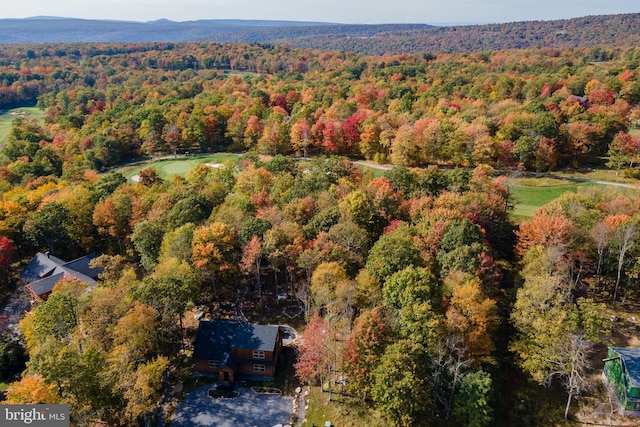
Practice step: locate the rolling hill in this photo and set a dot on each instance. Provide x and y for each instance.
(591, 31)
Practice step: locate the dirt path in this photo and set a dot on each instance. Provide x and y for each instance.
(594, 181)
(373, 165)
(302, 409)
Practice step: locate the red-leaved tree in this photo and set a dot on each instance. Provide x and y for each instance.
(6, 252)
(547, 230)
(313, 353)
(7, 248)
(251, 261)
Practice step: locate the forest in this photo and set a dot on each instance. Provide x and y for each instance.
(621, 30)
(585, 32)
(422, 300)
(539, 109)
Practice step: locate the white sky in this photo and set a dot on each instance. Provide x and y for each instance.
(342, 11)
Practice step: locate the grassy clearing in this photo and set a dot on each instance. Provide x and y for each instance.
(608, 175)
(375, 172)
(3, 387)
(167, 168)
(529, 194)
(342, 410)
(9, 115)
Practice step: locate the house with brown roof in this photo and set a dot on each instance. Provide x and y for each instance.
(233, 349)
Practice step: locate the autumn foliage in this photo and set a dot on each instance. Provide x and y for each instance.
(312, 350)
(402, 275)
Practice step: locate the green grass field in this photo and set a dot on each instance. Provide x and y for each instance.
(9, 115)
(376, 172)
(529, 194)
(342, 410)
(167, 168)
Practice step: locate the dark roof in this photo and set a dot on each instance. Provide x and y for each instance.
(631, 360)
(213, 341)
(255, 337)
(216, 338)
(81, 265)
(46, 285)
(40, 266)
(41, 271)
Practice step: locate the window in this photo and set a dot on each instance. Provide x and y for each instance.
(259, 368)
(213, 364)
(258, 354)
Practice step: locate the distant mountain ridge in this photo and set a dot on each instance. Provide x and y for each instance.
(591, 31)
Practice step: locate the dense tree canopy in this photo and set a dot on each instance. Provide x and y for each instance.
(411, 280)
(540, 109)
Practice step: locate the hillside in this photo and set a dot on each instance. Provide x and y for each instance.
(53, 30)
(586, 32)
(413, 284)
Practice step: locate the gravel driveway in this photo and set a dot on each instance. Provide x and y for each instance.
(247, 410)
(19, 302)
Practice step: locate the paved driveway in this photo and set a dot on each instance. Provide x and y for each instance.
(247, 410)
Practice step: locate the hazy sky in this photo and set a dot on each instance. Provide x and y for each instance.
(346, 11)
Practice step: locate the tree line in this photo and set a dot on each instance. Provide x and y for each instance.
(536, 109)
(620, 31)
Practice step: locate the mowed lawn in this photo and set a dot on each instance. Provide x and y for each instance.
(9, 115)
(166, 168)
(530, 194)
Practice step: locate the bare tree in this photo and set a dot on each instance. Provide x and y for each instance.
(624, 240)
(571, 365)
(450, 363)
(601, 234)
(303, 294)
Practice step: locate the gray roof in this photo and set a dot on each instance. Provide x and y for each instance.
(213, 341)
(46, 285)
(216, 338)
(631, 360)
(81, 266)
(41, 266)
(44, 271)
(255, 337)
